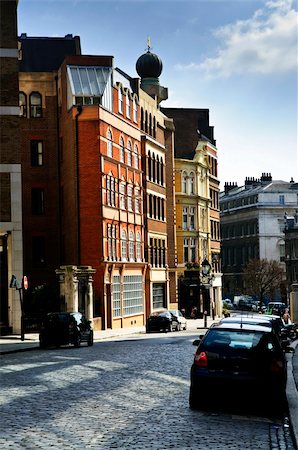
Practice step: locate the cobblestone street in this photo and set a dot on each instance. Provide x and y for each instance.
(127, 395)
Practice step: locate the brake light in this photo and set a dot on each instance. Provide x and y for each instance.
(276, 366)
(201, 359)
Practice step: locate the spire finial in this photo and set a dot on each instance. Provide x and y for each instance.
(148, 44)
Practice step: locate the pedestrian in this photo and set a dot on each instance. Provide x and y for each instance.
(286, 317)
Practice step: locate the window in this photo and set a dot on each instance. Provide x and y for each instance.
(137, 200)
(112, 250)
(135, 111)
(124, 245)
(111, 188)
(185, 250)
(133, 294)
(191, 181)
(35, 105)
(191, 218)
(127, 106)
(131, 246)
(129, 156)
(129, 198)
(116, 296)
(138, 247)
(23, 104)
(37, 201)
(281, 199)
(110, 144)
(136, 158)
(38, 251)
(36, 153)
(120, 101)
(184, 183)
(122, 196)
(122, 151)
(158, 295)
(192, 250)
(184, 219)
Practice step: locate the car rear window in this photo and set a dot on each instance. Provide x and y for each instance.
(246, 340)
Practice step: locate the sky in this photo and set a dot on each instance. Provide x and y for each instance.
(236, 58)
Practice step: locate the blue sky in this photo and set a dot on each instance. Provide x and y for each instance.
(237, 58)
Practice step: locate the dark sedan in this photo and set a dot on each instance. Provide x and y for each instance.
(63, 328)
(162, 321)
(238, 358)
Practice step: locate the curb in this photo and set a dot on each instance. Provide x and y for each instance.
(292, 395)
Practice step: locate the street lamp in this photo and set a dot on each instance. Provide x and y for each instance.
(206, 275)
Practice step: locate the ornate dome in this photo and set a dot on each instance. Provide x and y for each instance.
(149, 65)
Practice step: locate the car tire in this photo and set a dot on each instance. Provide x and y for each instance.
(193, 399)
(178, 327)
(42, 343)
(170, 327)
(90, 339)
(77, 342)
(185, 326)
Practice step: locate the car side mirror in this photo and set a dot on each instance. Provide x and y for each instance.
(196, 342)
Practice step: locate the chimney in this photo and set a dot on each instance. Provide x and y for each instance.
(229, 186)
(251, 182)
(266, 178)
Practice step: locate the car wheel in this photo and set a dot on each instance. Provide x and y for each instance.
(90, 340)
(77, 342)
(171, 327)
(42, 343)
(193, 399)
(185, 326)
(178, 327)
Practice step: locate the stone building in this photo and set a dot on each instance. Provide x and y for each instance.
(252, 225)
(197, 210)
(11, 227)
(291, 260)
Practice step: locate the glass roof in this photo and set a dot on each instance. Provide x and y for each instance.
(88, 80)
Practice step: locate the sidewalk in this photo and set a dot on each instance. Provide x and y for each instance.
(13, 344)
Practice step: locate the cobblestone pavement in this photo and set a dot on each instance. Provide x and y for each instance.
(127, 395)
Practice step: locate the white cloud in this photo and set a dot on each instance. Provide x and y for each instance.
(264, 44)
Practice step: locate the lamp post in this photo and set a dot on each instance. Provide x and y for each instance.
(207, 277)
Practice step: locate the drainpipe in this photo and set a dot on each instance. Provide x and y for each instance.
(79, 112)
(59, 170)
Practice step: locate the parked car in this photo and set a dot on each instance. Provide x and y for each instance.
(162, 321)
(227, 303)
(238, 358)
(182, 322)
(277, 308)
(64, 328)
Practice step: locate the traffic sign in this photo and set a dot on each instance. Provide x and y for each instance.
(25, 282)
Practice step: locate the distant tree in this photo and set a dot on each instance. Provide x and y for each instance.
(262, 277)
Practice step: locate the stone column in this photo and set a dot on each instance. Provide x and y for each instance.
(294, 302)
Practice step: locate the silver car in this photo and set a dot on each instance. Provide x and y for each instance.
(182, 322)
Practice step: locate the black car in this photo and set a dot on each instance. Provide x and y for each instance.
(237, 359)
(162, 321)
(63, 328)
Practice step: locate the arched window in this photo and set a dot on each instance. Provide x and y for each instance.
(146, 122)
(150, 205)
(153, 168)
(23, 104)
(131, 246)
(154, 127)
(120, 101)
(184, 182)
(137, 200)
(128, 157)
(122, 151)
(122, 195)
(191, 181)
(161, 171)
(127, 106)
(150, 125)
(135, 111)
(124, 245)
(129, 197)
(149, 165)
(35, 104)
(110, 144)
(157, 170)
(142, 119)
(136, 157)
(138, 247)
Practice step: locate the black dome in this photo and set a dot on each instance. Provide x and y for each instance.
(149, 65)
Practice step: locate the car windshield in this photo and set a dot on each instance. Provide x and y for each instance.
(234, 339)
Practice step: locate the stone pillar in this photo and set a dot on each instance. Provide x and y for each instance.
(294, 302)
(70, 278)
